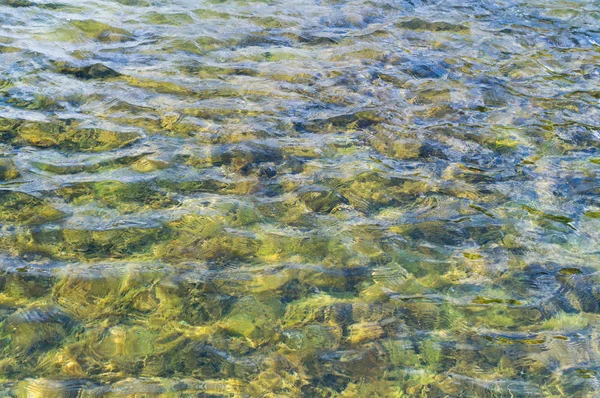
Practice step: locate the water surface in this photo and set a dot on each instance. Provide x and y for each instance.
(273, 198)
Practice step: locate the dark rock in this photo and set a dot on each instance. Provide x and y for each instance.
(95, 71)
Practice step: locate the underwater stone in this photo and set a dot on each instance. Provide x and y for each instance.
(176, 19)
(101, 31)
(210, 185)
(320, 199)
(198, 46)
(267, 171)
(371, 191)
(583, 291)
(428, 96)
(205, 238)
(47, 388)
(253, 319)
(125, 344)
(35, 329)
(424, 71)
(135, 3)
(113, 242)
(438, 232)
(238, 156)
(333, 278)
(353, 121)
(148, 165)
(115, 194)
(364, 331)
(311, 308)
(268, 281)
(8, 169)
(17, 3)
(26, 284)
(95, 71)
(79, 291)
(19, 207)
(60, 136)
(359, 362)
(312, 338)
(423, 25)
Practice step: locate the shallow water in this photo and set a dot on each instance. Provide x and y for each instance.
(299, 198)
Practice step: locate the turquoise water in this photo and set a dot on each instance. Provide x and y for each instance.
(299, 198)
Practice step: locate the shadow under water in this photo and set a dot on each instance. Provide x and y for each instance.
(316, 198)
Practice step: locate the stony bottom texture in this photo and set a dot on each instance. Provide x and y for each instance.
(336, 198)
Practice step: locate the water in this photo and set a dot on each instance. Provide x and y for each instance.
(299, 198)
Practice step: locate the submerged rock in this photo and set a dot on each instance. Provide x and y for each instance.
(38, 388)
(61, 135)
(8, 169)
(17, 3)
(95, 71)
(583, 291)
(168, 18)
(438, 26)
(102, 32)
(346, 122)
(24, 283)
(22, 208)
(311, 339)
(320, 199)
(253, 319)
(114, 194)
(364, 331)
(241, 157)
(79, 291)
(36, 329)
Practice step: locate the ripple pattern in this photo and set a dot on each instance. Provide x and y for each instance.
(317, 198)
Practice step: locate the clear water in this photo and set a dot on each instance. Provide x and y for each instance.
(299, 198)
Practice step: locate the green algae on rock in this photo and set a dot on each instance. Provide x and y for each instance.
(115, 194)
(95, 71)
(62, 135)
(89, 29)
(21, 208)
